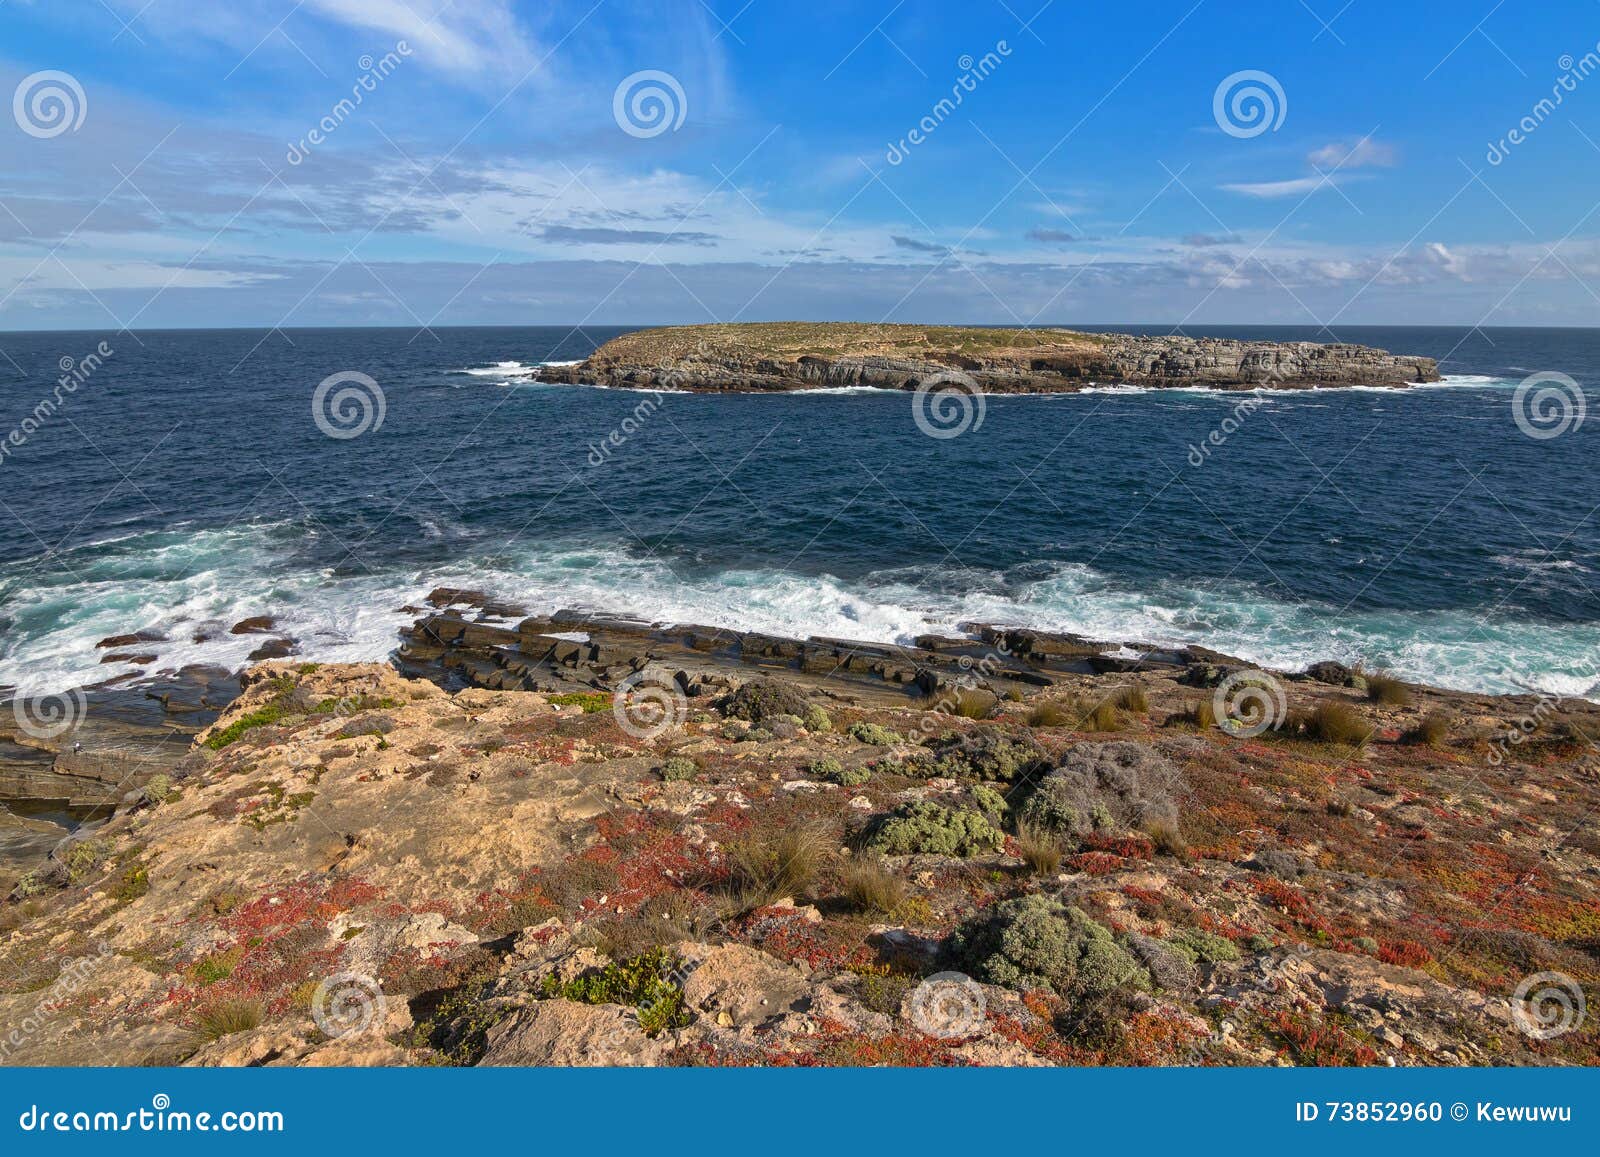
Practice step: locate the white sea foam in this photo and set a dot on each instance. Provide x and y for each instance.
(197, 584)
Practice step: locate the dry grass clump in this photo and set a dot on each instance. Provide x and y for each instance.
(1200, 714)
(1132, 698)
(1388, 691)
(1039, 848)
(967, 702)
(1431, 731)
(772, 865)
(868, 885)
(662, 922)
(226, 1017)
(1051, 713)
(1101, 715)
(1166, 837)
(1336, 723)
(1086, 714)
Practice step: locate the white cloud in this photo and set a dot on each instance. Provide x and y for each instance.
(462, 36)
(473, 40)
(1290, 188)
(1364, 153)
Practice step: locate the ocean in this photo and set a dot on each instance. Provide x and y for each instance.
(184, 483)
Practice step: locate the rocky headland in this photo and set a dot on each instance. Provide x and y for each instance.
(559, 840)
(816, 355)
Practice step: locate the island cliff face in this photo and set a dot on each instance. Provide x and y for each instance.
(802, 356)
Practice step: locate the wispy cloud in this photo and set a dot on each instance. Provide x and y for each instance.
(1331, 165)
(1295, 186)
(1365, 153)
(594, 235)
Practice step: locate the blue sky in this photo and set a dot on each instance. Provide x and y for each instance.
(492, 174)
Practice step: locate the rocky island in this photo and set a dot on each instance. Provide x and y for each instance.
(815, 355)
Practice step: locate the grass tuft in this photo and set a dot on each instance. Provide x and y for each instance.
(769, 866)
(1431, 731)
(868, 885)
(1039, 848)
(1388, 691)
(1335, 723)
(967, 702)
(226, 1017)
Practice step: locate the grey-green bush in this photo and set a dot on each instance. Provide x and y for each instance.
(874, 734)
(1100, 786)
(1037, 942)
(987, 753)
(923, 828)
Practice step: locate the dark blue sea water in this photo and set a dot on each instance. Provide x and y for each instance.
(185, 484)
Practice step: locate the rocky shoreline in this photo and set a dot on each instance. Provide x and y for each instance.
(129, 730)
(766, 357)
(561, 840)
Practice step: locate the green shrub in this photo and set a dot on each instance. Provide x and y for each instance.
(762, 699)
(816, 719)
(159, 789)
(1196, 945)
(852, 776)
(990, 802)
(923, 828)
(84, 857)
(266, 716)
(644, 983)
(1037, 942)
(592, 702)
(679, 768)
(1105, 787)
(825, 768)
(988, 753)
(874, 735)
